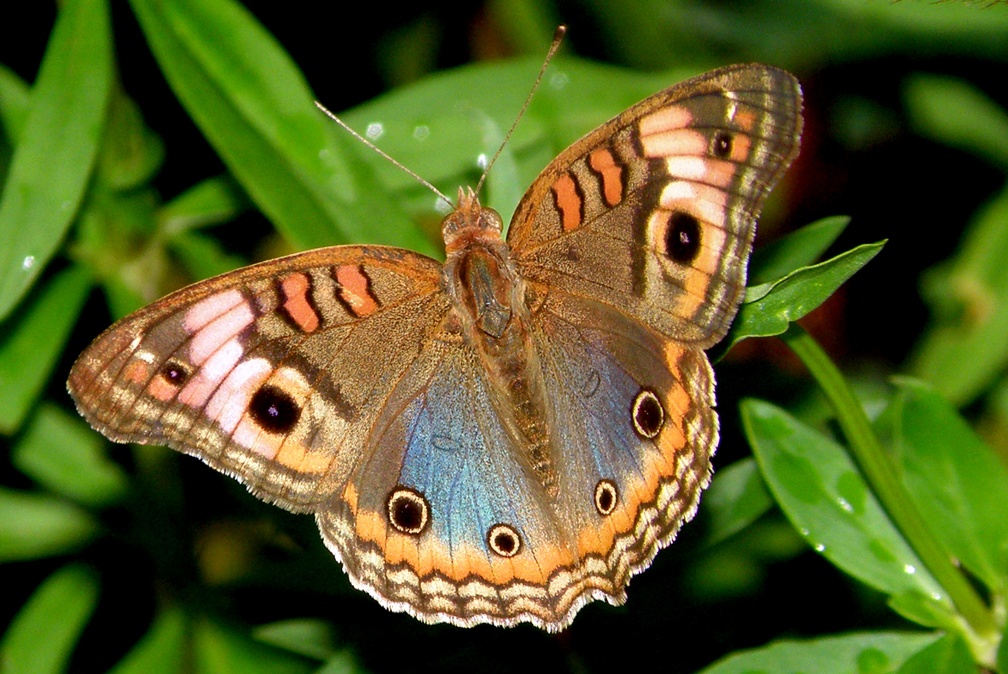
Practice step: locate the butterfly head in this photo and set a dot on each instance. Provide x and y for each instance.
(470, 223)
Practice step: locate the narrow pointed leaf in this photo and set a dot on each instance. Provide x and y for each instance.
(768, 309)
(42, 635)
(247, 96)
(36, 525)
(796, 250)
(61, 453)
(220, 649)
(32, 339)
(964, 350)
(163, 649)
(57, 148)
(15, 98)
(954, 112)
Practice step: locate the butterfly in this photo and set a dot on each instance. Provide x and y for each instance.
(508, 435)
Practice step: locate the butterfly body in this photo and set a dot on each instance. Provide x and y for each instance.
(505, 436)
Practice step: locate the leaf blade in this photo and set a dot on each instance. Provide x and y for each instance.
(56, 153)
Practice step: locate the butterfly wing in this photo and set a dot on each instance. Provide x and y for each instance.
(267, 373)
(633, 244)
(636, 427)
(655, 211)
(445, 520)
(341, 381)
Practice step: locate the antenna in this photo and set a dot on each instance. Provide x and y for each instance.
(385, 154)
(558, 36)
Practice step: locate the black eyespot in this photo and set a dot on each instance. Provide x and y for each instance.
(408, 510)
(174, 373)
(504, 540)
(723, 144)
(274, 409)
(682, 238)
(647, 414)
(606, 497)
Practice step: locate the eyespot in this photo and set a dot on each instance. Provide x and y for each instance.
(722, 145)
(504, 540)
(606, 497)
(273, 409)
(682, 238)
(647, 414)
(174, 373)
(408, 511)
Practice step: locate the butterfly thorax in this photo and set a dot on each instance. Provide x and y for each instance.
(488, 297)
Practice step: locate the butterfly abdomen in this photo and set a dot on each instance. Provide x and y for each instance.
(489, 298)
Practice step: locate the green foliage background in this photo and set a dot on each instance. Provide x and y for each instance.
(858, 520)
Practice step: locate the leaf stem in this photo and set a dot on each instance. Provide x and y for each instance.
(880, 473)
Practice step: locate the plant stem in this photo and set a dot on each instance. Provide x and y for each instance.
(882, 476)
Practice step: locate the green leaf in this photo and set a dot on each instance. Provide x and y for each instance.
(32, 340)
(811, 35)
(36, 525)
(737, 497)
(54, 156)
(131, 153)
(163, 649)
(948, 655)
(796, 250)
(964, 349)
(1002, 652)
(221, 649)
(440, 126)
(957, 482)
(202, 256)
(769, 308)
(43, 633)
(819, 489)
(15, 98)
(311, 638)
(341, 663)
(61, 453)
(858, 653)
(209, 202)
(955, 113)
(255, 108)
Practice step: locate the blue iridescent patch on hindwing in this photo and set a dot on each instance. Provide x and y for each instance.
(460, 458)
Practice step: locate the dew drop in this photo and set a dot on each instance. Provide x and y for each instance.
(421, 132)
(819, 547)
(847, 507)
(559, 81)
(375, 130)
(28, 262)
(441, 206)
(909, 568)
(482, 160)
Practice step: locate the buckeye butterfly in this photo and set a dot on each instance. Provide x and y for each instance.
(508, 435)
